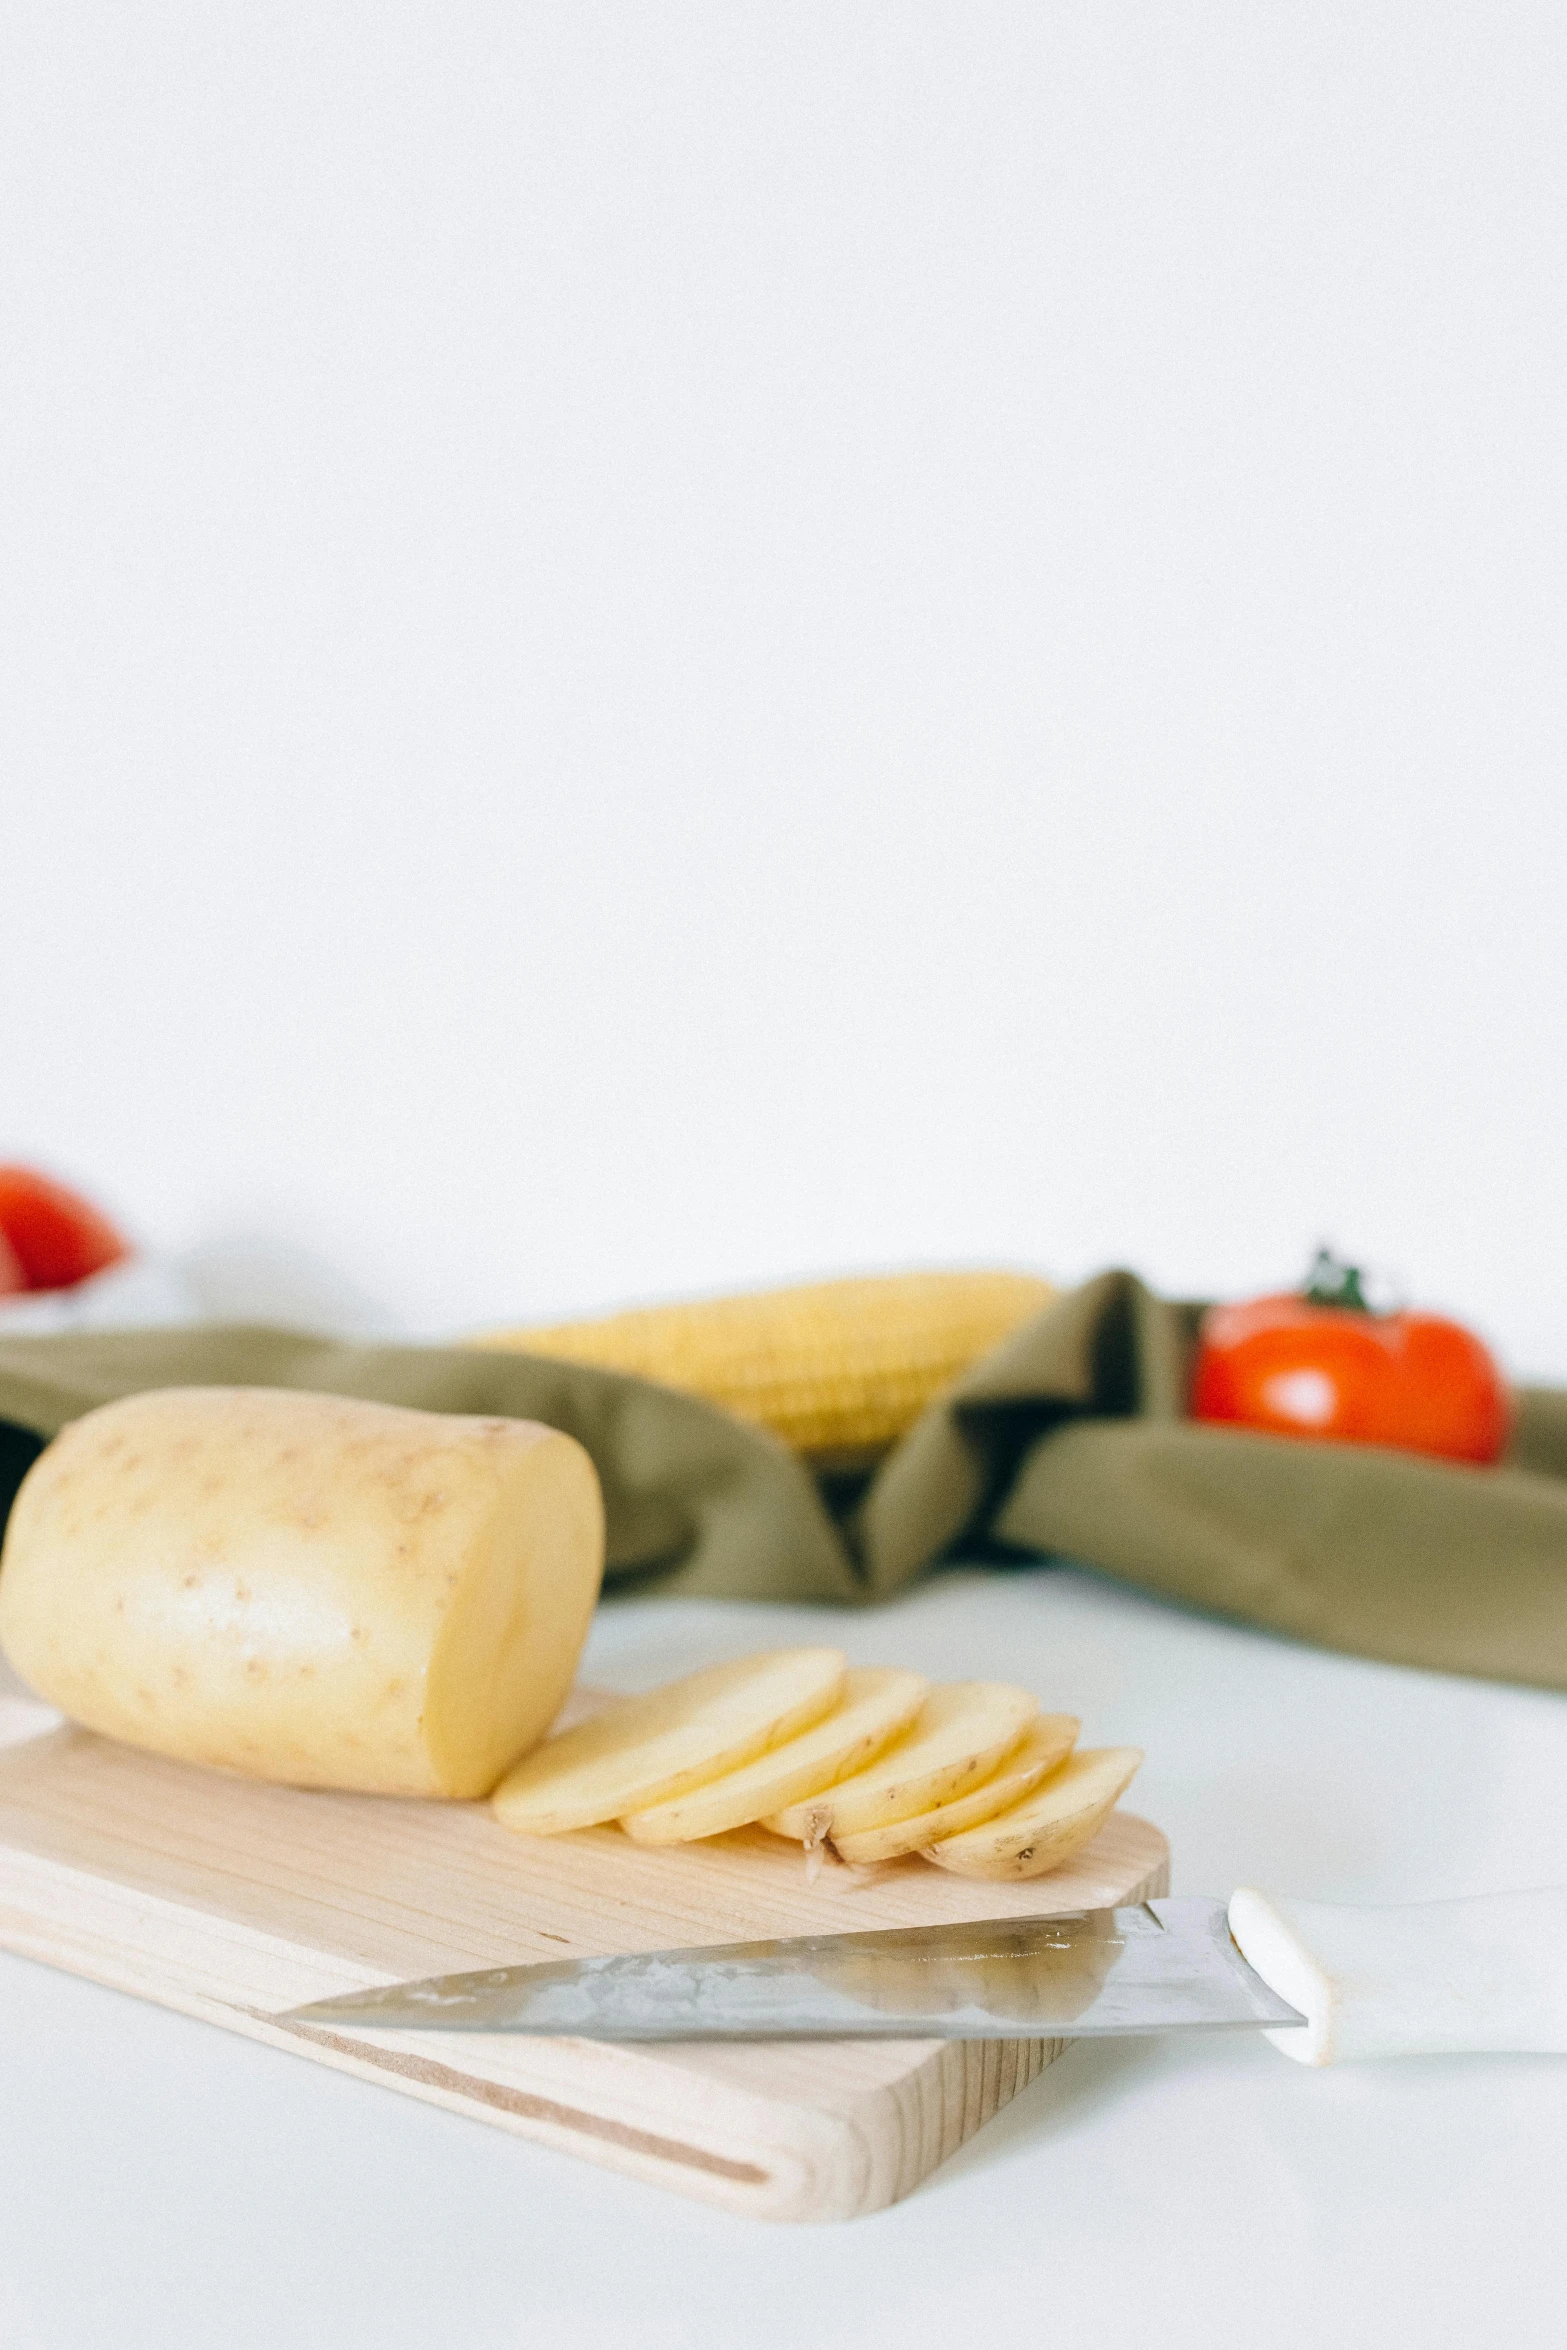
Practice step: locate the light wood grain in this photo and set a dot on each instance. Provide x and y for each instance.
(231, 1901)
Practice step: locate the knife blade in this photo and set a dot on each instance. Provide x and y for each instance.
(1164, 1965)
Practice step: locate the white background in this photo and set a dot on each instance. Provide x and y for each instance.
(649, 648)
(657, 648)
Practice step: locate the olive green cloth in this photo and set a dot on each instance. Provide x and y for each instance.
(1069, 1438)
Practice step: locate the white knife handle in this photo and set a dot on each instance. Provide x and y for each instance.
(1437, 1977)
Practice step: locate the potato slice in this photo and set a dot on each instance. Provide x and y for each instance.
(960, 1735)
(648, 1749)
(1046, 1744)
(1048, 1826)
(876, 1704)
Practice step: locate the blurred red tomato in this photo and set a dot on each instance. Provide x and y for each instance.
(1299, 1367)
(55, 1237)
(12, 1278)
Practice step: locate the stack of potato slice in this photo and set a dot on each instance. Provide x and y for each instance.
(868, 1764)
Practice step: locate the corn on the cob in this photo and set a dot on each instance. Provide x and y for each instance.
(836, 1369)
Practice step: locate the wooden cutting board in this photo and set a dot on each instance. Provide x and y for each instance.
(231, 1901)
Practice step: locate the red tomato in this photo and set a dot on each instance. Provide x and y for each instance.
(1299, 1368)
(55, 1237)
(12, 1278)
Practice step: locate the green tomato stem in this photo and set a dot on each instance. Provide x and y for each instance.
(1332, 1282)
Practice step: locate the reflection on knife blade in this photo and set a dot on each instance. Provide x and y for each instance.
(1159, 1967)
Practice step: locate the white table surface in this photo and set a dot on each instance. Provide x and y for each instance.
(169, 2187)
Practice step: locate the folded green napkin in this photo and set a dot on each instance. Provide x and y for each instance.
(1069, 1438)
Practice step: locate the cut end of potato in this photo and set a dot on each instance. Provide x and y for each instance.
(648, 1750)
(508, 1649)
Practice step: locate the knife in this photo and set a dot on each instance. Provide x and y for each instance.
(1323, 1983)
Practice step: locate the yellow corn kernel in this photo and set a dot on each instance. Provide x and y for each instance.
(835, 1369)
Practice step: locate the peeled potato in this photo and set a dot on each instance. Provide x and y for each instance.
(305, 1587)
(1046, 1744)
(874, 1707)
(960, 1735)
(647, 1750)
(1048, 1826)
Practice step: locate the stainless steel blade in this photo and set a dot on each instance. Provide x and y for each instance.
(1164, 1966)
